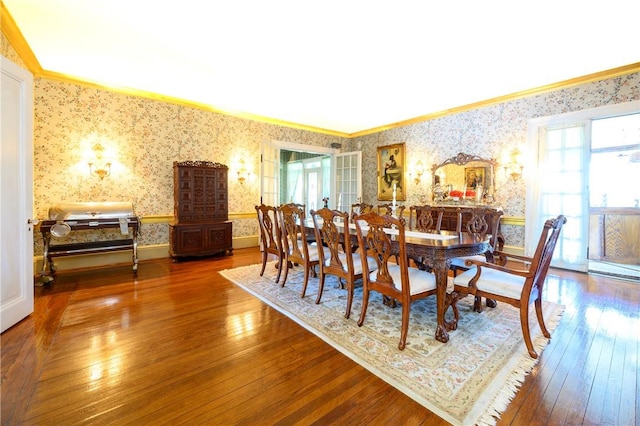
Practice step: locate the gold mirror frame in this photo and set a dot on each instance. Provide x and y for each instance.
(465, 171)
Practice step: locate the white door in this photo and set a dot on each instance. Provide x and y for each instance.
(16, 195)
(270, 174)
(348, 180)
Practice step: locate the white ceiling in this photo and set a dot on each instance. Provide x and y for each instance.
(341, 65)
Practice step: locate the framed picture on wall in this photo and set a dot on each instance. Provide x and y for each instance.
(391, 172)
(474, 177)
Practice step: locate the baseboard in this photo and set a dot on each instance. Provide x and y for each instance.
(157, 251)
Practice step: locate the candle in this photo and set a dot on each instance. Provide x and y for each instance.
(394, 193)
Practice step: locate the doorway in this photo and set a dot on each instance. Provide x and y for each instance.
(565, 178)
(614, 196)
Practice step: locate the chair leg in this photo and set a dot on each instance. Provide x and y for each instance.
(477, 304)
(365, 304)
(320, 286)
(279, 266)
(306, 280)
(350, 285)
(286, 272)
(526, 334)
(264, 262)
(405, 326)
(543, 326)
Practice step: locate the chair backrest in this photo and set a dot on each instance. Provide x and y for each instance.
(270, 234)
(377, 244)
(481, 221)
(387, 208)
(300, 206)
(332, 228)
(425, 218)
(361, 208)
(293, 232)
(544, 250)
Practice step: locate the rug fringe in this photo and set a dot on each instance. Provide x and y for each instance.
(513, 383)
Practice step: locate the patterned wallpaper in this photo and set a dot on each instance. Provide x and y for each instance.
(489, 132)
(144, 137)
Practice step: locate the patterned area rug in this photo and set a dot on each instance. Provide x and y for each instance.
(469, 380)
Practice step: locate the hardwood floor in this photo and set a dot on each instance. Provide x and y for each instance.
(178, 344)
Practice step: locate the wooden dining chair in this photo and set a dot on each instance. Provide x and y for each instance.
(332, 229)
(482, 222)
(394, 280)
(516, 286)
(295, 245)
(361, 208)
(424, 218)
(387, 208)
(270, 237)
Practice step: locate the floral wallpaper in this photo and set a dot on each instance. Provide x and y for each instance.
(489, 132)
(142, 137)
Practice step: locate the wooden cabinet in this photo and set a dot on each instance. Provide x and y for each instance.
(201, 226)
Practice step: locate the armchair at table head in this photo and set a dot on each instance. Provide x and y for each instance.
(332, 231)
(516, 286)
(270, 236)
(394, 280)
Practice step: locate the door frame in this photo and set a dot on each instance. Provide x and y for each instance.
(16, 184)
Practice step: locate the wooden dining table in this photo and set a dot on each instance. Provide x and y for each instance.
(436, 250)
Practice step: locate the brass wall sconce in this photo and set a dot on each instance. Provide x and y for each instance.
(514, 167)
(95, 169)
(243, 173)
(418, 171)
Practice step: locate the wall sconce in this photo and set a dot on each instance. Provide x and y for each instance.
(513, 165)
(94, 167)
(243, 173)
(418, 171)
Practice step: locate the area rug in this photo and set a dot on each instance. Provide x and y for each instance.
(469, 380)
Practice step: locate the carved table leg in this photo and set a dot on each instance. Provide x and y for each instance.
(440, 271)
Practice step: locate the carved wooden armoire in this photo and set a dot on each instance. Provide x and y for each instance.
(201, 226)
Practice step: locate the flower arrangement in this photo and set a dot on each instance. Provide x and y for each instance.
(458, 193)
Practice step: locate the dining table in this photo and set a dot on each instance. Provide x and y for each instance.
(436, 250)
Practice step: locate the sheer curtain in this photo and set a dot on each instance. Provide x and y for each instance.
(557, 184)
(295, 182)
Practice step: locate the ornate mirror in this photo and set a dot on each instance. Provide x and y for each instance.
(466, 177)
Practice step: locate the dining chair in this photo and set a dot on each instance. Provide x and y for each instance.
(332, 229)
(270, 237)
(480, 221)
(424, 218)
(295, 245)
(516, 286)
(394, 280)
(387, 208)
(361, 208)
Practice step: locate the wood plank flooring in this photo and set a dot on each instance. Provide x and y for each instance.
(178, 344)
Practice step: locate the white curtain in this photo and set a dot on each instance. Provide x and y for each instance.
(295, 182)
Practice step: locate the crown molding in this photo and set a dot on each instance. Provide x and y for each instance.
(17, 40)
(614, 72)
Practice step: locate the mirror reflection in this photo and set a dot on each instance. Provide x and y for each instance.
(465, 177)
